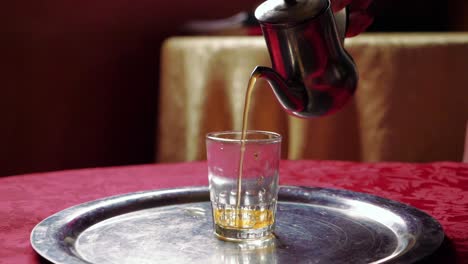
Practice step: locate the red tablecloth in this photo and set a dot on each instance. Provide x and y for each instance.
(440, 189)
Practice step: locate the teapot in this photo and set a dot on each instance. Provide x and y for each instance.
(312, 75)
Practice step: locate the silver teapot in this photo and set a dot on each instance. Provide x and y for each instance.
(312, 74)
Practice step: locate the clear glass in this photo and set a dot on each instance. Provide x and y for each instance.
(250, 215)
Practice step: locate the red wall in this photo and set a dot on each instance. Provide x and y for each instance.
(79, 85)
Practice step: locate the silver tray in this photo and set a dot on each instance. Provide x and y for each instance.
(314, 225)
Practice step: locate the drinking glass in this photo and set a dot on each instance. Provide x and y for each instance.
(243, 180)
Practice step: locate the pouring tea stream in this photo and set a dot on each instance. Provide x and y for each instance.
(312, 76)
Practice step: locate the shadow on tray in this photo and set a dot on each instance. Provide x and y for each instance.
(444, 254)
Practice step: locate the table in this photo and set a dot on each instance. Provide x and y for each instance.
(440, 189)
(410, 104)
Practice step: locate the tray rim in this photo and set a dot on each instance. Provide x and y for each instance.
(437, 228)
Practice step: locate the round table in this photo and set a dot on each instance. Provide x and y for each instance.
(440, 189)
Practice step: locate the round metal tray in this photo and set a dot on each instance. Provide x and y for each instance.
(314, 225)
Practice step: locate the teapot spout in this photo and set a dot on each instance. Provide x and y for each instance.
(291, 98)
(308, 99)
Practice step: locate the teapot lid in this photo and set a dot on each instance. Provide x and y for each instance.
(289, 12)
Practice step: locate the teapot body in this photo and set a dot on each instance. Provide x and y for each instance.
(315, 71)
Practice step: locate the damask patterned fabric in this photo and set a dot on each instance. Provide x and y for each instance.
(440, 189)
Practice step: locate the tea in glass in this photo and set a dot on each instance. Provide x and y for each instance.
(243, 179)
